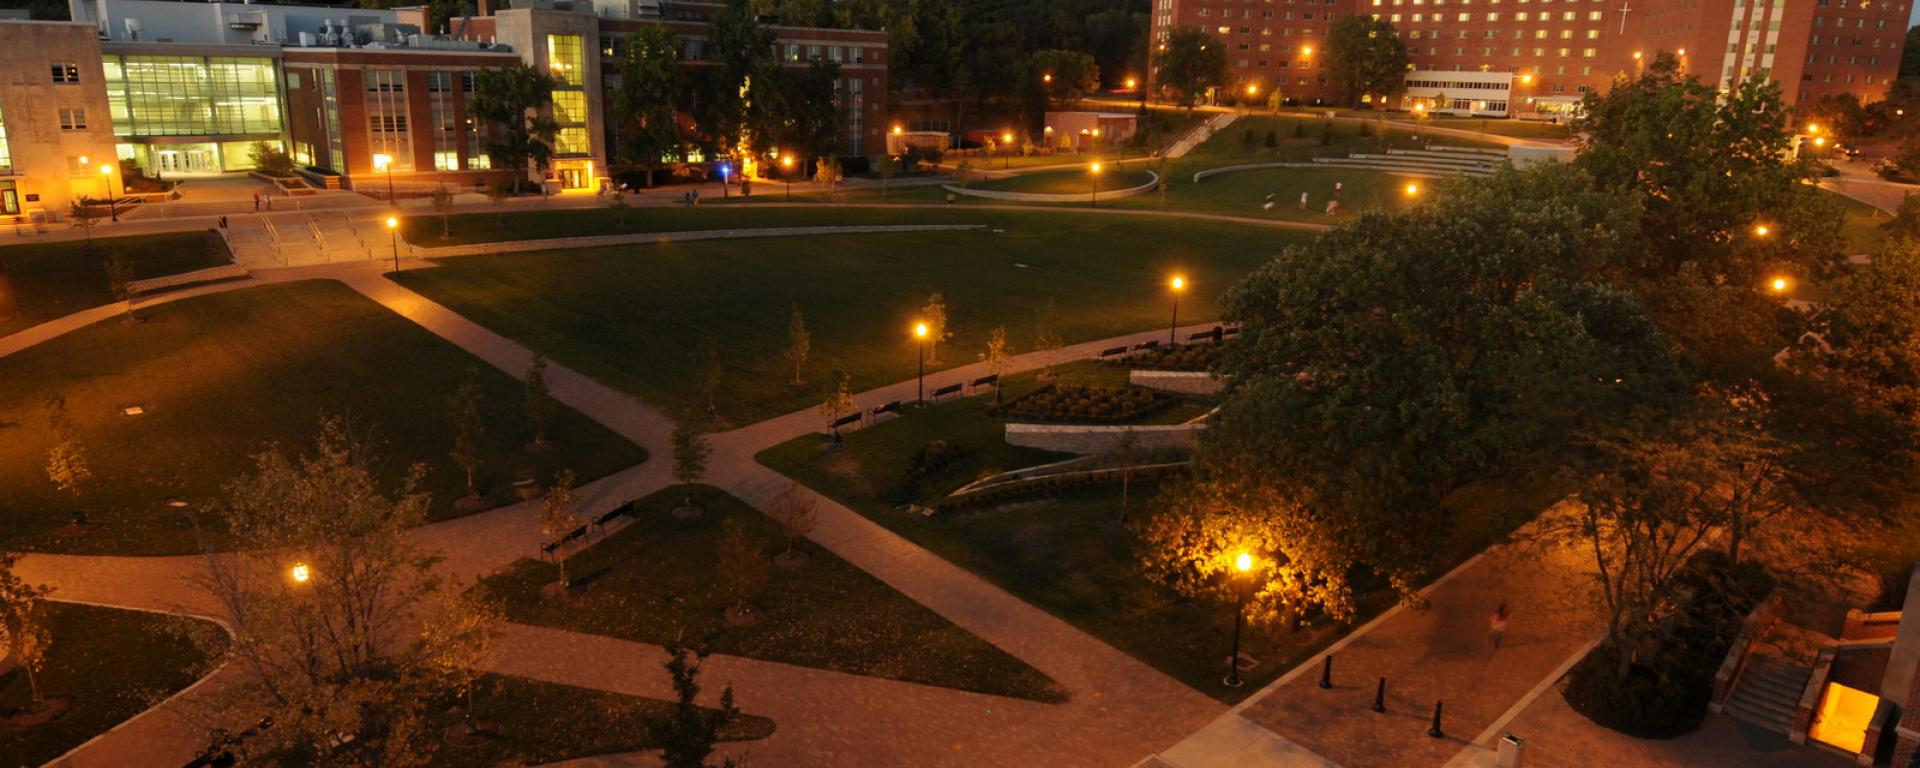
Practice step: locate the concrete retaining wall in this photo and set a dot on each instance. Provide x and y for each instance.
(1183, 382)
(1085, 439)
(1037, 197)
(196, 277)
(1525, 156)
(561, 243)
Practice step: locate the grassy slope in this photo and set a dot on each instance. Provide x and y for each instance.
(634, 316)
(827, 614)
(712, 214)
(223, 376)
(112, 664)
(56, 279)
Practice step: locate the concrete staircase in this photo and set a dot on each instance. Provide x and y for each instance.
(1433, 161)
(339, 238)
(1768, 693)
(252, 244)
(294, 237)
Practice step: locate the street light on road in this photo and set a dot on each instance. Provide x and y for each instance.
(393, 234)
(113, 208)
(786, 174)
(1175, 286)
(1006, 139)
(920, 338)
(1412, 189)
(1241, 565)
(384, 162)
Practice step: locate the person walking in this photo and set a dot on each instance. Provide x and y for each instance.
(1497, 623)
(256, 202)
(1303, 201)
(1336, 190)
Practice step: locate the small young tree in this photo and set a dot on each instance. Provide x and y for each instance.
(1046, 331)
(67, 465)
(690, 453)
(828, 170)
(84, 216)
(885, 164)
(965, 172)
(711, 372)
(1126, 454)
(462, 638)
(497, 193)
(270, 160)
(617, 200)
(688, 734)
(740, 568)
(119, 271)
(796, 511)
(539, 405)
(22, 616)
(996, 357)
(557, 519)
(463, 409)
(837, 402)
(443, 205)
(934, 314)
(799, 344)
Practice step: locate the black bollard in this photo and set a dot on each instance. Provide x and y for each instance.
(1326, 672)
(1380, 697)
(1435, 730)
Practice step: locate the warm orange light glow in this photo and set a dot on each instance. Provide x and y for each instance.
(1096, 167)
(1046, 78)
(1779, 285)
(393, 223)
(1762, 230)
(300, 573)
(1096, 133)
(1006, 138)
(106, 170)
(1813, 127)
(1683, 51)
(1130, 83)
(1413, 189)
(1820, 141)
(1252, 89)
(896, 130)
(786, 161)
(1244, 562)
(1419, 107)
(1307, 51)
(1636, 55)
(919, 330)
(381, 161)
(1179, 283)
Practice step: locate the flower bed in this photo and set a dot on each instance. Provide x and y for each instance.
(1196, 357)
(1077, 404)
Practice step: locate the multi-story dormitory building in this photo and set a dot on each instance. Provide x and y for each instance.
(1537, 57)
(187, 88)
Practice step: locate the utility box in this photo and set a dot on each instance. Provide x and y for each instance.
(1511, 749)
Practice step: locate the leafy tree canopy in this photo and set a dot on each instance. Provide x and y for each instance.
(1365, 55)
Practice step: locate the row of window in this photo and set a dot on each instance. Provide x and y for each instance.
(1494, 16)
(1489, 34)
(1457, 86)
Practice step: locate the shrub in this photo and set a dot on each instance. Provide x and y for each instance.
(1188, 358)
(1273, 139)
(1299, 130)
(1247, 138)
(1084, 404)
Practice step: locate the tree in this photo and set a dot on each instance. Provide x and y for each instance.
(23, 617)
(646, 126)
(1127, 454)
(799, 344)
(516, 99)
(270, 159)
(1066, 75)
(828, 170)
(443, 205)
(321, 607)
(1838, 116)
(795, 510)
(462, 638)
(1046, 331)
(120, 278)
(934, 314)
(463, 409)
(733, 99)
(1193, 63)
(837, 402)
(67, 465)
(539, 405)
(690, 453)
(558, 519)
(710, 374)
(617, 200)
(687, 735)
(886, 165)
(497, 193)
(811, 119)
(996, 357)
(1905, 224)
(1359, 402)
(740, 566)
(83, 215)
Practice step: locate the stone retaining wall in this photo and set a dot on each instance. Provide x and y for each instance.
(560, 243)
(1183, 382)
(1087, 439)
(1038, 197)
(196, 277)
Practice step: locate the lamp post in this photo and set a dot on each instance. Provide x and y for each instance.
(300, 573)
(1095, 170)
(1176, 285)
(384, 162)
(393, 234)
(113, 209)
(786, 174)
(1242, 564)
(1412, 189)
(1006, 138)
(1779, 285)
(920, 339)
(1762, 230)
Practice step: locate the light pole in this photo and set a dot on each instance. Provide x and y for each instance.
(113, 209)
(1177, 284)
(393, 234)
(1412, 189)
(920, 338)
(786, 174)
(384, 162)
(300, 573)
(1006, 139)
(1243, 564)
(1095, 170)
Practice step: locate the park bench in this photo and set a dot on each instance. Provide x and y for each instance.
(989, 380)
(950, 389)
(1114, 351)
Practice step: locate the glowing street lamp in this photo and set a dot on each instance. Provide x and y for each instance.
(786, 174)
(1307, 51)
(384, 162)
(920, 337)
(1095, 171)
(1175, 286)
(1006, 139)
(300, 573)
(1813, 128)
(1131, 83)
(1779, 285)
(1242, 565)
(1412, 189)
(393, 234)
(113, 203)
(1762, 230)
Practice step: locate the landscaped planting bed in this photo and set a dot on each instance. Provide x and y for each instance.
(1076, 404)
(1197, 357)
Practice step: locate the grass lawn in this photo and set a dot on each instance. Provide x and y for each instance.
(51, 280)
(111, 664)
(1075, 181)
(653, 582)
(635, 316)
(222, 376)
(714, 214)
(535, 722)
(1071, 556)
(1861, 224)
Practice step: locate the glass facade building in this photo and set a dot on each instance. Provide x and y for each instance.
(161, 104)
(567, 63)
